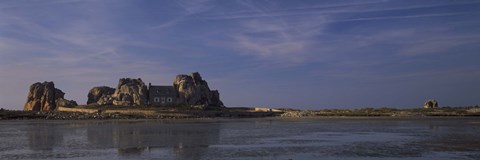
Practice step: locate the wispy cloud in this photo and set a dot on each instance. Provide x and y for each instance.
(17, 4)
(78, 53)
(277, 39)
(304, 46)
(190, 8)
(405, 17)
(298, 35)
(336, 9)
(252, 11)
(194, 7)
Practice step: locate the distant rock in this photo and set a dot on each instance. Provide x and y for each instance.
(44, 97)
(130, 92)
(101, 95)
(194, 91)
(430, 104)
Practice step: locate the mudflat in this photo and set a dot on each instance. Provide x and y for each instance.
(254, 138)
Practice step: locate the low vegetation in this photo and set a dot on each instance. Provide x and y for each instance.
(391, 112)
(182, 112)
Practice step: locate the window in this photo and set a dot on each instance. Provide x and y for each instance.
(163, 99)
(169, 99)
(156, 99)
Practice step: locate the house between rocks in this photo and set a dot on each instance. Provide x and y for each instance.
(187, 90)
(161, 95)
(190, 90)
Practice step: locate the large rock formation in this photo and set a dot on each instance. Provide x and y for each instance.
(130, 92)
(193, 90)
(44, 96)
(61, 102)
(41, 96)
(101, 95)
(189, 90)
(430, 104)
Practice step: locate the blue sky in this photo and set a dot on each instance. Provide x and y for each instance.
(298, 54)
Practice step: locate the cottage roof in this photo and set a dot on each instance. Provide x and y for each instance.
(161, 89)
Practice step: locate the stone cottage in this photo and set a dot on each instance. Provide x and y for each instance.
(161, 95)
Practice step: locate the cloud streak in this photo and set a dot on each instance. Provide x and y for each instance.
(322, 52)
(353, 8)
(281, 35)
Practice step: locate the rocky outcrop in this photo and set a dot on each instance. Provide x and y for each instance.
(193, 90)
(430, 104)
(130, 92)
(65, 103)
(41, 97)
(215, 98)
(61, 102)
(105, 100)
(101, 95)
(44, 97)
(189, 90)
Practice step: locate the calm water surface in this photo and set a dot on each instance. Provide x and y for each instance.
(321, 138)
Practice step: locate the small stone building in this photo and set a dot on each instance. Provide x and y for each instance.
(161, 95)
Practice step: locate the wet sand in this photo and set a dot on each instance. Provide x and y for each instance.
(257, 138)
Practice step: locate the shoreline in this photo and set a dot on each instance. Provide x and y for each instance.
(224, 119)
(59, 115)
(149, 113)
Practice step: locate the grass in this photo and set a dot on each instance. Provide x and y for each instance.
(128, 112)
(367, 112)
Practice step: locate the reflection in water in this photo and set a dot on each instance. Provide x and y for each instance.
(183, 139)
(389, 138)
(451, 136)
(44, 136)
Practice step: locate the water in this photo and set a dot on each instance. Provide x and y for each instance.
(320, 138)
